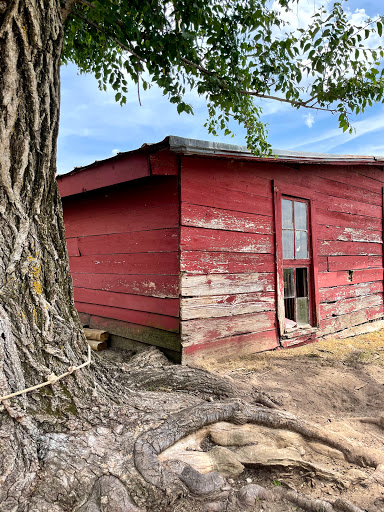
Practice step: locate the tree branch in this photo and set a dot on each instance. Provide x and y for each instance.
(303, 104)
(66, 10)
(202, 69)
(117, 41)
(88, 4)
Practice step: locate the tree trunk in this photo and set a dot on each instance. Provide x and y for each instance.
(40, 333)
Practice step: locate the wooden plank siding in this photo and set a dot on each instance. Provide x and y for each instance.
(180, 250)
(123, 244)
(227, 260)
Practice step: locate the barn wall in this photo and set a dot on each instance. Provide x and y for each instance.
(227, 252)
(123, 251)
(227, 259)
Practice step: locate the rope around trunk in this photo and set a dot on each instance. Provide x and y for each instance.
(51, 378)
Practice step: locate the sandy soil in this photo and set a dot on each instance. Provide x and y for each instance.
(334, 384)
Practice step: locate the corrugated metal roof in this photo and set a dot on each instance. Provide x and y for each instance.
(203, 147)
(187, 146)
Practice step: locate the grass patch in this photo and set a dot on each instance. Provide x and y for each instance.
(363, 349)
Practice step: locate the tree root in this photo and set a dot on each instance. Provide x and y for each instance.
(179, 425)
(379, 421)
(315, 505)
(343, 505)
(152, 443)
(151, 370)
(109, 495)
(306, 503)
(209, 484)
(250, 494)
(100, 465)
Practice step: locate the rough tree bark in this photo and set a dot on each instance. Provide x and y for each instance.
(40, 333)
(91, 442)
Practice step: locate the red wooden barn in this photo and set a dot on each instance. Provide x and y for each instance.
(204, 250)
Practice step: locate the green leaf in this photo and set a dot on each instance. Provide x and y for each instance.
(224, 51)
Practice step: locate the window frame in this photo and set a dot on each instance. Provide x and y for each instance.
(283, 190)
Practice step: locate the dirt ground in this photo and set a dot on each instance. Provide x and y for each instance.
(336, 384)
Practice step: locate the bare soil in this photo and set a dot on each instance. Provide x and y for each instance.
(338, 384)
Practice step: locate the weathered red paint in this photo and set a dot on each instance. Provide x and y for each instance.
(155, 240)
(344, 277)
(337, 293)
(207, 262)
(147, 285)
(168, 307)
(227, 220)
(166, 323)
(142, 205)
(344, 306)
(244, 343)
(194, 192)
(137, 263)
(347, 220)
(123, 245)
(195, 239)
(159, 233)
(105, 174)
(347, 262)
(348, 233)
(330, 248)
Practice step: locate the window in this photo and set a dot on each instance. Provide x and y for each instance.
(296, 262)
(297, 294)
(294, 218)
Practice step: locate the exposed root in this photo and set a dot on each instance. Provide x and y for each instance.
(111, 457)
(152, 443)
(150, 370)
(250, 494)
(343, 505)
(306, 503)
(109, 495)
(202, 485)
(379, 421)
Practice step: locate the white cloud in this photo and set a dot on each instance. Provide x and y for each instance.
(331, 139)
(299, 16)
(115, 151)
(309, 120)
(371, 149)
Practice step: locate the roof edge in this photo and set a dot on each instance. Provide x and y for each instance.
(203, 147)
(186, 146)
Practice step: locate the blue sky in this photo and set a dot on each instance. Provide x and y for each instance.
(94, 127)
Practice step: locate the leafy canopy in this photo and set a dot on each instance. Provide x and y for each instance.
(230, 52)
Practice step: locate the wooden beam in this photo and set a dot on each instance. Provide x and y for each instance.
(106, 173)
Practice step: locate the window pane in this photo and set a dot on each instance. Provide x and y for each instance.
(301, 241)
(302, 282)
(288, 248)
(302, 311)
(286, 213)
(301, 215)
(302, 299)
(289, 293)
(289, 282)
